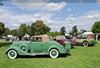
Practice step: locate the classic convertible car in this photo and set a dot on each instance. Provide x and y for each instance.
(86, 42)
(74, 41)
(39, 45)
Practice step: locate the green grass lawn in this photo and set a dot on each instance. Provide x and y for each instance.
(81, 57)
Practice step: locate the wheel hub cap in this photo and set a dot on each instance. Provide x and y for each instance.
(54, 53)
(12, 54)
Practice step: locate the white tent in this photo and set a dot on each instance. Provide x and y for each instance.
(26, 35)
(67, 34)
(87, 33)
(9, 36)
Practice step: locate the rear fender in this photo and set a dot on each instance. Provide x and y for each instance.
(60, 49)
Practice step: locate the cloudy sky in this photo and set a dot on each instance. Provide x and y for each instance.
(54, 13)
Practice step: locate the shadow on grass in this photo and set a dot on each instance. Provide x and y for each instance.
(90, 45)
(5, 44)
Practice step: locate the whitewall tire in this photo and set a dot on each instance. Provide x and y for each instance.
(54, 53)
(12, 54)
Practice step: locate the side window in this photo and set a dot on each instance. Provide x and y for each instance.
(36, 39)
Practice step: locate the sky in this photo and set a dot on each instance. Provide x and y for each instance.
(54, 13)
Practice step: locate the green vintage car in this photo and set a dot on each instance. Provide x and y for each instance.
(38, 45)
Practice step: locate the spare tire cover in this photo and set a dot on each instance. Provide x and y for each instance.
(24, 47)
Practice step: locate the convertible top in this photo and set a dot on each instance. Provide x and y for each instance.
(43, 38)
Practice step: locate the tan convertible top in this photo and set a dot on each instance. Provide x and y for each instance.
(44, 38)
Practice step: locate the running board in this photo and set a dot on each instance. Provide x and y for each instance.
(37, 54)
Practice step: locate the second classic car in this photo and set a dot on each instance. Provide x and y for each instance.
(74, 41)
(39, 45)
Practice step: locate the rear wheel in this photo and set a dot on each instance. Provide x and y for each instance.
(12, 54)
(54, 53)
(85, 43)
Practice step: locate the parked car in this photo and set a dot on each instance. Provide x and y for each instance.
(10, 38)
(62, 39)
(80, 42)
(38, 45)
(86, 42)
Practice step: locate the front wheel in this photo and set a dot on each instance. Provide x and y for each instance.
(12, 54)
(54, 53)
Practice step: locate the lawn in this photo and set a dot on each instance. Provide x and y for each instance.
(80, 57)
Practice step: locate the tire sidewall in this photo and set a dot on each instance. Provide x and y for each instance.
(57, 53)
(85, 44)
(9, 56)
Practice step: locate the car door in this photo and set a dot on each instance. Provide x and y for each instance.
(37, 47)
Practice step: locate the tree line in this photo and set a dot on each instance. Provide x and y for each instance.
(36, 28)
(39, 28)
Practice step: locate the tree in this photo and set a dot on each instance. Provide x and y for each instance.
(33, 29)
(28, 27)
(2, 28)
(36, 28)
(39, 28)
(62, 30)
(14, 32)
(74, 30)
(54, 34)
(22, 30)
(96, 27)
(70, 33)
(7, 31)
(45, 29)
